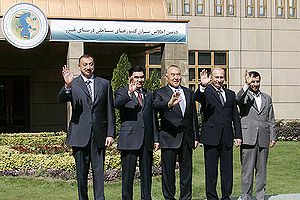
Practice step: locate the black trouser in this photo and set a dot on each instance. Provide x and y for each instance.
(168, 158)
(211, 156)
(83, 157)
(129, 163)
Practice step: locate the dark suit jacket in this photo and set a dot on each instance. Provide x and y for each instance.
(173, 124)
(256, 124)
(218, 118)
(89, 118)
(138, 124)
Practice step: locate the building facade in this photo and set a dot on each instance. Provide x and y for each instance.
(260, 35)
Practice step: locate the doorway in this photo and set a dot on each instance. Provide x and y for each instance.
(14, 104)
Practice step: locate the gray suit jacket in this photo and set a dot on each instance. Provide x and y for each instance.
(256, 125)
(89, 119)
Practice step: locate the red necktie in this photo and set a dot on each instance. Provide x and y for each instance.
(140, 98)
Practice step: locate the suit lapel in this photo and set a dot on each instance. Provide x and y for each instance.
(263, 103)
(187, 99)
(145, 97)
(97, 87)
(251, 97)
(214, 92)
(82, 85)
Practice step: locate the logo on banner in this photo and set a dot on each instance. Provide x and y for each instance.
(25, 26)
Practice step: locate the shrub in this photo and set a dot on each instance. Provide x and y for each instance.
(38, 158)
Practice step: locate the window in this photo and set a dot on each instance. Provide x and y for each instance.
(280, 8)
(187, 7)
(200, 7)
(249, 8)
(199, 60)
(292, 5)
(153, 62)
(262, 8)
(219, 7)
(230, 7)
(169, 6)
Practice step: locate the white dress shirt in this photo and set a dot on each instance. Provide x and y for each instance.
(91, 84)
(182, 103)
(257, 97)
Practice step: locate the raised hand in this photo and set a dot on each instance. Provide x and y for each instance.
(131, 86)
(204, 78)
(174, 99)
(248, 79)
(68, 76)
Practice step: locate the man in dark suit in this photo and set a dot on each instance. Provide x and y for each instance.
(179, 133)
(92, 125)
(219, 109)
(259, 133)
(137, 133)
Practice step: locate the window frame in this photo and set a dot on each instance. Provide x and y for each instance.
(222, 8)
(276, 9)
(234, 8)
(289, 7)
(195, 82)
(264, 6)
(169, 5)
(183, 6)
(251, 6)
(196, 6)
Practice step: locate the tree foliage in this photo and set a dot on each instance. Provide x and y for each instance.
(121, 73)
(153, 82)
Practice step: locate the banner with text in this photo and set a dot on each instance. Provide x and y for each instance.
(118, 31)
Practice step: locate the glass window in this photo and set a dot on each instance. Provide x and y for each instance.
(292, 5)
(192, 74)
(220, 59)
(155, 58)
(230, 7)
(204, 58)
(187, 7)
(280, 8)
(199, 7)
(192, 58)
(262, 5)
(218, 7)
(249, 8)
(169, 6)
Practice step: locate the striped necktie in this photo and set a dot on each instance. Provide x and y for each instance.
(89, 88)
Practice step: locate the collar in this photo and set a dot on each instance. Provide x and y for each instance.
(221, 88)
(255, 95)
(174, 89)
(85, 79)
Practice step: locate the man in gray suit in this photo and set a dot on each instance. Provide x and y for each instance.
(258, 132)
(92, 125)
(137, 133)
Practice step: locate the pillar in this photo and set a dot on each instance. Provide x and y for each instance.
(176, 54)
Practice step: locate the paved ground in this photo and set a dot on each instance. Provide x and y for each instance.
(273, 197)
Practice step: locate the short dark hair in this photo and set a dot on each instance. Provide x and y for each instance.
(137, 68)
(254, 74)
(85, 56)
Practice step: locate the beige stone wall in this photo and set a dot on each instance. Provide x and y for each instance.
(268, 45)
